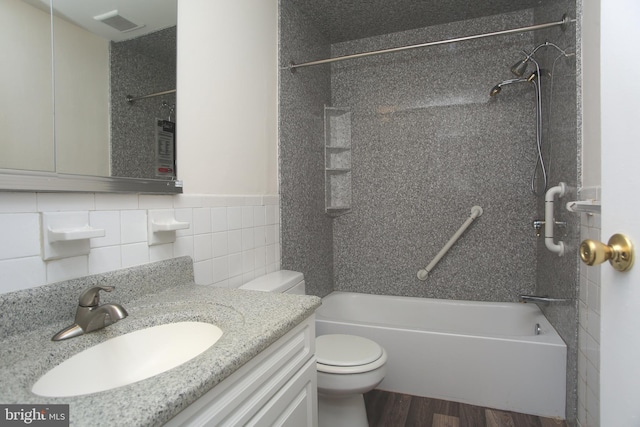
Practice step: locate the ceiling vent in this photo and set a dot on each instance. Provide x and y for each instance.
(116, 21)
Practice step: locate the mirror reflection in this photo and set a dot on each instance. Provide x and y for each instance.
(82, 123)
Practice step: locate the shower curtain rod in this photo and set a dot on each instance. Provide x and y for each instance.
(151, 95)
(562, 23)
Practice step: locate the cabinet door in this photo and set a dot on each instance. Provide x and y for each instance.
(295, 404)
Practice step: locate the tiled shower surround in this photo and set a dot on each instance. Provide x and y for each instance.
(428, 143)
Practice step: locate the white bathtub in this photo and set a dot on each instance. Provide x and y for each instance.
(480, 353)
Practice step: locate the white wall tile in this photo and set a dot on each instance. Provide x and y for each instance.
(135, 254)
(67, 268)
(235, 281)
(183, 246)
(219, 252)
(133, 226)
(220, 244)
(247, 239)
(218, 219)
(103, 259)
(20, 235)
(593, 325)
(259, 236)
(234, 239)
(201, 220)
(202, 248)
(247, 216)
(270, 234)
(260, 257)
(22, 273)
(235, 265)
(213, 200)
(110, 222)
(248, 261)
(259, 272)
(203, 272)
(220, 269)
(270, 254)
(18, 202)
(111, 202)
(258, 216)
(270, 214)
(271, 200)
(247, 277)
(160, 252)
(234, 218)
(188, 201)
(52, 202)
(148, 201)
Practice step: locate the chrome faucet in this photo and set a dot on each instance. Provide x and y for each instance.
(91, 316)
(544, 299)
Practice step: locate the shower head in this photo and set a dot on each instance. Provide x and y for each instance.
(520, 67)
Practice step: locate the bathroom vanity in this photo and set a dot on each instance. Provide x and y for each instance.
(260, 372)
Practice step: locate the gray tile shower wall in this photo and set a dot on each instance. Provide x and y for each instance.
(140, 67)
(428, 143)
(558, 276)
(307, 236)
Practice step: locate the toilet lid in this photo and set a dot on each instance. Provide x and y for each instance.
(346, 350)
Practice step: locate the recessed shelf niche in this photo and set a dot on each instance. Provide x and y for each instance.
(337, 160)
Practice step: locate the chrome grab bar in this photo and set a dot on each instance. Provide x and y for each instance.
(544, 299)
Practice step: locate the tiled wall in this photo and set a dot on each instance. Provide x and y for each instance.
(428, 143)
(589, 324)
(232, 239)
(307, 234)
(558, 276)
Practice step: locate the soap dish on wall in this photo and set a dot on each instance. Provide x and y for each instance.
(162, 226)
(66, 234)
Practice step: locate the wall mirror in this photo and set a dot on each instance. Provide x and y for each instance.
(90, 95)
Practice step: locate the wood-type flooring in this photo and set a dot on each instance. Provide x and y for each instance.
(386, 409)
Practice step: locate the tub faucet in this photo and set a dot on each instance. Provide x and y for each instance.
(91, 316)
(544, 299)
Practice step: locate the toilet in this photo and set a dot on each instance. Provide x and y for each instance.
(348, 365)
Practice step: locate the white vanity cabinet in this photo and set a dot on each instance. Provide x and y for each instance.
(278, 387)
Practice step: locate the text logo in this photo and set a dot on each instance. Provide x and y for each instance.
(34, 415)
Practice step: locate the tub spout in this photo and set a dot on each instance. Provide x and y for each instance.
(544, 300)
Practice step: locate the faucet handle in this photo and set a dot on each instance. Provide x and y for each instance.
(91, 296)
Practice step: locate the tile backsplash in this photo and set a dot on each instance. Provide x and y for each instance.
(231, 239)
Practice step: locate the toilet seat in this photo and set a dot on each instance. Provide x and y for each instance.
(348, 354)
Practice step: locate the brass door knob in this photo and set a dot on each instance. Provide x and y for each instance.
(618, 251)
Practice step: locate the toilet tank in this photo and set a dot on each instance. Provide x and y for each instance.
(283, 281)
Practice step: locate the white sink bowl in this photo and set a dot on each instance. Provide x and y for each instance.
(128, 358)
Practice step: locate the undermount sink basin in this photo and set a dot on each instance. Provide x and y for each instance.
(128, 358)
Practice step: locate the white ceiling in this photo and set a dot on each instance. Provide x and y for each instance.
(154, 15)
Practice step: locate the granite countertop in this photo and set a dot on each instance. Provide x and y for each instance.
(251, 321)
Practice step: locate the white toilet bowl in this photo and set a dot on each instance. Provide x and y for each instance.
(348, 366)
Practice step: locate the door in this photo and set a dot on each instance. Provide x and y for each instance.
(620, 152)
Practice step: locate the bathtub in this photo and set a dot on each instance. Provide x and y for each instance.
(480, 353)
